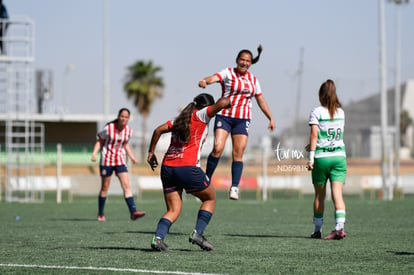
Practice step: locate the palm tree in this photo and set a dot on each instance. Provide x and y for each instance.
(143, 86)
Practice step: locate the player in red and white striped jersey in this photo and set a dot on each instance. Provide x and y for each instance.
(181, 167)
(113, 143)
(240, 86)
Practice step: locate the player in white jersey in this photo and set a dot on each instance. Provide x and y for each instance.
(113, 143)
(327, 158)
(240, 86)
(180, 169)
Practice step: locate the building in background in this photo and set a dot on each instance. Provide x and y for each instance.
(363, 126)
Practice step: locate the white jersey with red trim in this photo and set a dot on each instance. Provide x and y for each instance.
(188, 154)
(113, 144)
(239, 89)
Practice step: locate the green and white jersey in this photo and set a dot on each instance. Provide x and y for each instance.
(330, 133)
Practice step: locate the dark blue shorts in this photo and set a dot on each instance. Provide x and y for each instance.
(235, 126)
(106, 171)
(190, 178)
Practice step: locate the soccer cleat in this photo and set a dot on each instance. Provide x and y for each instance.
(234, 193)
(200, 240)
(101, 218)
(336, 235)
(158, 244)
(316, 235)
(137, 214)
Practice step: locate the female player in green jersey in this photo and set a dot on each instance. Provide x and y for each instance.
(327, 158)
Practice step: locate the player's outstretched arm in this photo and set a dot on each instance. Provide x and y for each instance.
(152, 158)
(265, 109)
(208, 80)
(221, 103)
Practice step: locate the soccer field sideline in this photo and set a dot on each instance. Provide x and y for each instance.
(93, 268)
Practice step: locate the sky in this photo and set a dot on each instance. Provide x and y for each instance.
(192, 39)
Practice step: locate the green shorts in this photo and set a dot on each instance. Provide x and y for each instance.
(332, 168)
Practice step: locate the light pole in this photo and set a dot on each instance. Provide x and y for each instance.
(106, 60)
(299, 75)
(397, 143)
(383, 87)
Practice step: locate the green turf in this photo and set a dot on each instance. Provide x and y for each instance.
(249, 237)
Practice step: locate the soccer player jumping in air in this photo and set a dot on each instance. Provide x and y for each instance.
(240, 86)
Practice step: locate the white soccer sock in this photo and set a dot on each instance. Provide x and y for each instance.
(340, 219)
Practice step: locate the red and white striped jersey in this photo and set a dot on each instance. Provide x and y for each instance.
(113, 144)
(239, 89)
(188, 154)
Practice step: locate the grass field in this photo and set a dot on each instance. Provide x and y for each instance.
(249, 237)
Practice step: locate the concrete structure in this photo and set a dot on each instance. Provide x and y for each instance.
(65, 129)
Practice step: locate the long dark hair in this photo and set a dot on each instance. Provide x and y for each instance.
(254, 60)
(119, 114)
(181, 126)
(328, 97)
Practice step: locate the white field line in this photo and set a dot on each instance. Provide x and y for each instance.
(106, 269)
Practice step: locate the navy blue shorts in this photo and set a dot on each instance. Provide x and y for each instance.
(235, 126)
(106, 171)
(190, 178)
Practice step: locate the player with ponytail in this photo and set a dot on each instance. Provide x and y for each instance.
(112, 142)
(327, 159)
(181, 170)
(240, 86)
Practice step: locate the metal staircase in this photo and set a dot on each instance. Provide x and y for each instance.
(23, 139)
